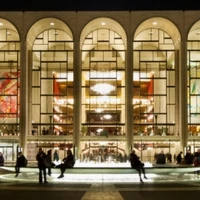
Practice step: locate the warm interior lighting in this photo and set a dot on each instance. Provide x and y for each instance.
(103, 88)
(107, 116)
(99, 110)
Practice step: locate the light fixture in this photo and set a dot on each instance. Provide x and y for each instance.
(107, 116)
(99, 110)
(103, 88)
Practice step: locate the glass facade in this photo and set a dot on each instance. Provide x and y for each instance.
(153, 83)
(103, 93)
(52, 84)
(193, 82)
(9, 82)
(129, 88)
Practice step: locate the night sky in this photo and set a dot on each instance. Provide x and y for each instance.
(99, 5)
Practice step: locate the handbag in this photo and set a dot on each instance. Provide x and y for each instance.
(47, 163)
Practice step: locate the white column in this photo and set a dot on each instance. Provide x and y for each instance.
(129, 95)
(183, 127)
(77, 96)
(24, 85)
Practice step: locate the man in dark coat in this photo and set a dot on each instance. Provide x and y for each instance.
(179, 157)
(137, 165)
(40, 157)
(161, 158)
(20, 162)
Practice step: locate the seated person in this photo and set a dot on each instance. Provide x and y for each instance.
(68, 162)
(137, 165)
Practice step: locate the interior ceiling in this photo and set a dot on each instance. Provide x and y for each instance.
(160, 23)
(108, 24)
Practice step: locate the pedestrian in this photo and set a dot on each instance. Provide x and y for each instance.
(20, 162)
(169, 157)
(179, 158)
(137, 165)
(67, 162)
(49, 160)
(161, 158)
(174, 157)
(40, 157)
(1, 159)
(55, 156)
(189, 158)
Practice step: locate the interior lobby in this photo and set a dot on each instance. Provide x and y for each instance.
(100, 83)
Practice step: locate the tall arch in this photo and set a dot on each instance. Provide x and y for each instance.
(193, 84)
(103, 56)
(155, 80)
(51, 80)
(9, 87)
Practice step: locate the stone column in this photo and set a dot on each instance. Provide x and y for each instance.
(129, 94)
(77, 96)
(24, 122)
(177, 97)
(183, 114)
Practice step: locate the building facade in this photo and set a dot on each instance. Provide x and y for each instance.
(100, 83)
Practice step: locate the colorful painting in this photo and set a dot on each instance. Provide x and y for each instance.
(8, 93)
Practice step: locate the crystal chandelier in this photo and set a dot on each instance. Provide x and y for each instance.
(103, 88)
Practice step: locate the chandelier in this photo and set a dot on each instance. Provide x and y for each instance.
(103, 88)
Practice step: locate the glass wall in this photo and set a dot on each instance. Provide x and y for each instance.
(103, 94)
(153, 84)
(193, 82)
(9, 81)
(52, 84)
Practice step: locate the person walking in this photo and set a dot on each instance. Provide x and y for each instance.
(1, 159)
(20, 162)
(49, 160)
(189, 158)
(68, 162)
(40, 157)
(55, 156)
(179, 158)
(137, 165)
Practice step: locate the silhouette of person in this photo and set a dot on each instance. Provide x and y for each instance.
(137, 165)
(68, 162)
(49, 159)
(1, 159)
(40, 157)
(55, 156)
(20, 162)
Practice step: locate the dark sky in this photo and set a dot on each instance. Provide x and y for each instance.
(98, 5)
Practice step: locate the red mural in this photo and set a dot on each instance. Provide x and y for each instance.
(8, 93)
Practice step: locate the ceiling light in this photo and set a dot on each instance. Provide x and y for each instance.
(103, 88)
(99, 110)
(107, 116)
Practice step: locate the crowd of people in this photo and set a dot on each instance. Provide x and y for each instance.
(189, 158)
(45, 162)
